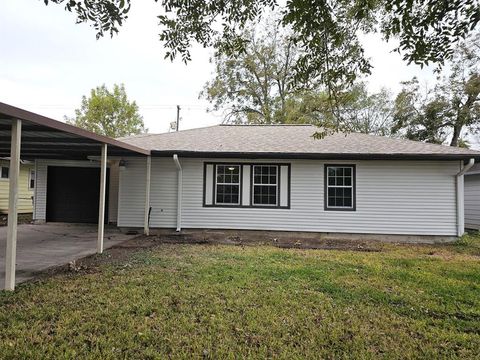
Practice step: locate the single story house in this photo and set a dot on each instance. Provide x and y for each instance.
(472, 198)
(267, 177)
(26, 186)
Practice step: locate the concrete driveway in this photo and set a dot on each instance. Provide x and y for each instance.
(40, 247)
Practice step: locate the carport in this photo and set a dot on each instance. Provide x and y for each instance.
(29, 136)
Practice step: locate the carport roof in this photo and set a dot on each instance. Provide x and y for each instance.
(46, 138)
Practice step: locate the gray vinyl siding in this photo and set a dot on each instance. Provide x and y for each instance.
(392, 197)
(472, 201)
(40, 203)
(163, 193)
(131, 193)
(164, 187)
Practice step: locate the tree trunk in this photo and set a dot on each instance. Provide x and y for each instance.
(456, 135)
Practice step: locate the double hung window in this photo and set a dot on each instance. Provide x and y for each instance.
(340, 187)
(227, 185)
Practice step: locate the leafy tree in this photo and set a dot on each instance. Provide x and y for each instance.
(358, 110)
(450, 109)
(106, 16)
(254, 86)
(258, 86)
(109, 113)
(327, 30)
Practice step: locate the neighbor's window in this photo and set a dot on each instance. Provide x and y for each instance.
(265, 185)
(31, 180)
(227, 188)
(340, 187)
(4, 172)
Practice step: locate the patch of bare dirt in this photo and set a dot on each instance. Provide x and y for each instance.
(115, 255)
(283, 241)
(120, 254)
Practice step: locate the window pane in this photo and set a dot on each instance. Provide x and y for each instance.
(228, 194)
(339, 192)
(339, 187)
(228, 184)
(347, 192)
(331, 192)
(32, 179)
(5, 171)
(228, 173)
(265, 195)
(265, 184)
(347, 202)
(265, 174)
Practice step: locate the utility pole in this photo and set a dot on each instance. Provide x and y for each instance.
(178, 116)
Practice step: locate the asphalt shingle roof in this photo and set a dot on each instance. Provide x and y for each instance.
(289, 140)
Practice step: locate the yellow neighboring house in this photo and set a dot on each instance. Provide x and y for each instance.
(26, 187)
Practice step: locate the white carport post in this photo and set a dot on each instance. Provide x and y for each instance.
(11, 253)
(146, 228)
(101, 206)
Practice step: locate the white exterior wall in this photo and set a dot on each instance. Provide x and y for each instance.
(392, 197)
(472, 201)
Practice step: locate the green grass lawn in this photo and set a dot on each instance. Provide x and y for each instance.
(216, 301)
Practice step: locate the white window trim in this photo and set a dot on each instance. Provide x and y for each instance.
(255, 184)
(238, 184)
(341, 186)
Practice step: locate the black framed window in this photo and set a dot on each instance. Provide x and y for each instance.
(31, 182)
(340, 187)
(227, 184)
(4, 170)
(265, 185)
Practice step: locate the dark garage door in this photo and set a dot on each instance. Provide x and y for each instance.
(73, 194)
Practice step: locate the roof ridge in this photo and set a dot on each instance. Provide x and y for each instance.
(166, 133)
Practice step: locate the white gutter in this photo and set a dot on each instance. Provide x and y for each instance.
(460, 198)
(179, 192)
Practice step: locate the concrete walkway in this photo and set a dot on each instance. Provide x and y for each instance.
(40, 247)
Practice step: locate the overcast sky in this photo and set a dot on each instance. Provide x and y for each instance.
(48, 62)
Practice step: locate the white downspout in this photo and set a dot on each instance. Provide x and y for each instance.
(460, 198)
(146, 225)
(179, 192)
